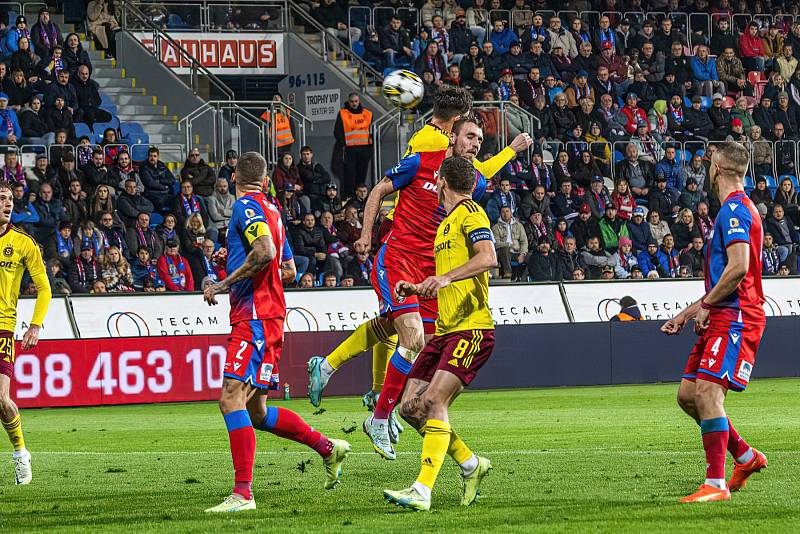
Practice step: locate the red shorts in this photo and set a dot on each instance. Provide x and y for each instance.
(460, 353)
(6, 353)
(725, 353)
(254, 349)
(392, 266)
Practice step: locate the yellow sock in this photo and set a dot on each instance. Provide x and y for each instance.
(364, 337)
(457, 449)
(14, 431)
(434, 449)
(380, 359)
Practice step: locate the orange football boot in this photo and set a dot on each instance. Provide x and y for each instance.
(708, 493)
(741, 472)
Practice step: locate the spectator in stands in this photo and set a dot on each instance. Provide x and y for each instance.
(102, 23)
(359, 269)
(662, 200)
(45, 34)
(770, 259)
(50, 68)
(124, 170)
(784, 150)
(595, 258)
(116, 272)
(102, 201)
(131, 203)
(350, 227)
(220, 206)
(786, 196)
(286, 172)
(157, 180)
(313, 175)
(584, 226)
(761, 194)
(192, 235)
(87, 93)
(501, 198)
(141, 235)
(51, 213)
(671, 254)
(751, 48)
(293, 209)
(764, 115)
(85, 270)
(207, 267)
(33, 124)
(653, 262)
(75, 55)
(597, 196)
(186, 203)
(113, 232)
(786, 114)
(639, 230)
(330, 202)
(685, 229)
(570, 258)
(63, 89)
(544, 265)
(786, 64)
(623, 199)
(704, 70)
(18, 91)
(558, 36)
(145, 274)
(691, 196)
(431, 60)
(633, 113)
(670, 168)
(12, 169)
(65, 243)
(511, 242)
(174, 269)
(306, 281)
(639, 174)
(625, 259)
(10, 131)
(334, 19)
(502, 36)
(783, 232)
(14, 34)
(612, 228)
(199, 174)
(168, 229)
(311, 242)
(228, 168)
(24, 215)
(75, 203)
(97, 173)
(395, 42)
(693, 256)
(566, 202)
(658, 227)
(723, 37)
(59, 117)
(98, 287)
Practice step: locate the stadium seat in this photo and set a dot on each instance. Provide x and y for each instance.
(358, 48)
(127, 128)
(700, 153)
(771, 183)
(707, 102)
(749, 184)
(728, 102)
(155, 220)
(82, 129)
(683, 156)
(618, 156)
(139, 151)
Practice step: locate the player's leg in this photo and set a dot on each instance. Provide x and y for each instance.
(12, 422)
(287, 424)
(410, 335)
(686, 393)
(368, 334)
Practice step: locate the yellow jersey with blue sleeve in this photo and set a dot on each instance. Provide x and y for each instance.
(19, 251)
(463, 305)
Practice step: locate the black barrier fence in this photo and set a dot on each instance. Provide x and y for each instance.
(563, 355)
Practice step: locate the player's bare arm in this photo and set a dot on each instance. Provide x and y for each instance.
(263, 251)
(735, 271)
(521, 143)
(484, 259)
(379, 192)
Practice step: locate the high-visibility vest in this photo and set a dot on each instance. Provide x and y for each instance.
(281, 128)
(624, 316)
(356, 127)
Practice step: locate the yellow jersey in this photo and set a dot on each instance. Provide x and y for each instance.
(19, 251)
(463, 305)
(431, 138)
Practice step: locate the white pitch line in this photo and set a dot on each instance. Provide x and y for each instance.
(401, 453)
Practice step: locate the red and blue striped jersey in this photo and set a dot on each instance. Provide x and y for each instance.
(738, 221)
(259, 297)
(418, 213)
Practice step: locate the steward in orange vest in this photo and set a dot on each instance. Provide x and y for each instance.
(352, 135)
(280, 129)
(630, 310)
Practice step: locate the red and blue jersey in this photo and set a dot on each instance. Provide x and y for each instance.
(418, 213)
(738, 221)
(259, 297)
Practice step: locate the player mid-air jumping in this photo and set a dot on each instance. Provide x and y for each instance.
(18, 251)
(464, 339)
(258, 308)
(730, 321)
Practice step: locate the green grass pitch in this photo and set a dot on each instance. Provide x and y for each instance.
(600, 459)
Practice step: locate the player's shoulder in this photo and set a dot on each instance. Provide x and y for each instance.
(22, 237)
(429, 138)
(469, 210)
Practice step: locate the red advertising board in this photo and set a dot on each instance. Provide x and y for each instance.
(88, 372)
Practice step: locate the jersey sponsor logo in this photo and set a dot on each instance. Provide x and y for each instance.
(428, 186)
(734, 222)
(265, 373)
(744, 371)
(736, 231)
(735, 338)
(8, 251)
(6, 264)
(442, 246)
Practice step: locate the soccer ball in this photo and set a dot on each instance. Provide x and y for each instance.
(403, 89)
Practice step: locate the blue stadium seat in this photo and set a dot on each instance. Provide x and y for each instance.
(683, 156)
(155, 220)
(358, 48)
(771, 183)
(139, 151)
(137, 138)
(700, 153)
(618, 156)
(81, 129)
(790, 177)
(749, 184)
(127, 128)
(707, 103)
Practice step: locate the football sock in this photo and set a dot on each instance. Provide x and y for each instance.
(288, 425)
(459, 451)
(396, 374)
(738, 447)
(380, 360)
(434, 448)
(243, 451)
(715, 441)
(14, 431)
(362, 338)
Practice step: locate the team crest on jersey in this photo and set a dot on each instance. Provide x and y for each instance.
(734, 222)
(446, 229)
(744, 371)
(249, 213)
(8, 251)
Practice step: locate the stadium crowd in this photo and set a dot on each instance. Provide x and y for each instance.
(620, 198)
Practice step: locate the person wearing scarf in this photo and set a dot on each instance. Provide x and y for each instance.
(10, 130)
(145, 274)
(13, 172)
(65, 243)
(174, 269)
(360, 268)
(85, 270)
(626, 260)
(540, 173)
(432, 61)
(56, 63)
(45, 34)
(13, 36)
(579, 90)
(141, 235)
(505, 86)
